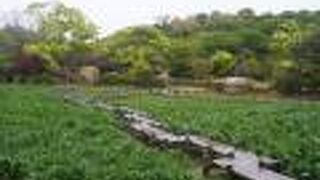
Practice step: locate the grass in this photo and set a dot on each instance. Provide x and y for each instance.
(286, 129)
(43, 138)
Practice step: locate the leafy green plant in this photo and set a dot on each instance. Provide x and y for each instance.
(223, 62)
(11, 169)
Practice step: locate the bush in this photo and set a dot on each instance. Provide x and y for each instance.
(223, 62)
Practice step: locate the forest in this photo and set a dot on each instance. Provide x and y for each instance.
(50, 42)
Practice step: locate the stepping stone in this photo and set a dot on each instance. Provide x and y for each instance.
(246, 165)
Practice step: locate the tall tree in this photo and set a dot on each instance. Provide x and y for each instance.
(286, 73)
(62, 29)
(59, 23)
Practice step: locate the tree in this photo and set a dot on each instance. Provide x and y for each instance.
(146, 49)
(61, 29)
(60, 23)
(286, 73)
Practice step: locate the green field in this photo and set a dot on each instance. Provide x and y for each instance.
(46, 139)
(285, 129)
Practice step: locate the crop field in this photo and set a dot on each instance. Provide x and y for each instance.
(281, 128)
(43, 138)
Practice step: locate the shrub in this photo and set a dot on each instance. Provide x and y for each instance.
(223, 62)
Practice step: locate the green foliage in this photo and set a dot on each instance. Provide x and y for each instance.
(62, 30)
(151, 39)
(285, 72)
(146, 49)
(183, 51)
(224, 40)
(11, 169)
(180, 46)
(50, 52)
(223, 62)
(60, 23)
(285, 37)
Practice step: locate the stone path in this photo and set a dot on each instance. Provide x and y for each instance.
(238, 163)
